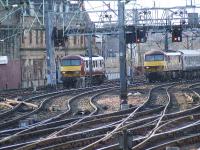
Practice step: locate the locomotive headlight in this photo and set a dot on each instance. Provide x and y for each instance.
(147, 67)
(63, 72)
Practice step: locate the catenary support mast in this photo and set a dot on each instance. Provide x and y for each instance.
(50, 58)
(122, 55)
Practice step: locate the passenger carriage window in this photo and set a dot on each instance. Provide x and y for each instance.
(102, 63)
(86, 64)
(93, 64)
(96, 64)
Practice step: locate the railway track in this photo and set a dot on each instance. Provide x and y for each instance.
(169, 106)
(80, 129)
(109, 119)
(63, 114)
(143, 106)
(151, 121)
(141, 132)
(116, 113)
(23, 106)
(15, 117)
(40, 100)
(157, 124)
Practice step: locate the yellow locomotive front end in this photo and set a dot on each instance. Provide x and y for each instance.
(72, 69)
(154, 65)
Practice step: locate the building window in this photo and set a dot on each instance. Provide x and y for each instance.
(41, 37)
(64, 7)
(30, 37)
(74, 40)
(22, 37)
(36, 36)
(81, 39)
(57, 7)
(86, 64)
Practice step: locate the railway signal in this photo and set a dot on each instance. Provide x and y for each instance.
(130, 38)
(141, 35)
(136, 35)
(57, 36)
(177, 34)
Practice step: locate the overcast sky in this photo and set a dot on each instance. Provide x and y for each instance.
(145, 3)
(161, 3)
(95, 6)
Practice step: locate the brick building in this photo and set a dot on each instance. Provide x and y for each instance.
(22, 39)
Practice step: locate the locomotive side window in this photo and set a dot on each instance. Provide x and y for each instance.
(71, 62)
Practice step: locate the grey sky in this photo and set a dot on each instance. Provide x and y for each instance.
(145, 3)
(95, 6)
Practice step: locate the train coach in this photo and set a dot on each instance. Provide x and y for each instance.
(75, 70)
(166, 65)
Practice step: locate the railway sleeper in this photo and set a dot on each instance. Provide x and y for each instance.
(64, 122)
(80, 135)
(64, 145)
(180, 143)
(161, 137)
(182, 121)
(182, 113)
(108, 119)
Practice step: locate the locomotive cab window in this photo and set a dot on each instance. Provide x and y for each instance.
(71, 62)
(159, 57)
(154, 57)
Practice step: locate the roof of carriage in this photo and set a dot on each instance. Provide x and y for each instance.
(190, 51)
